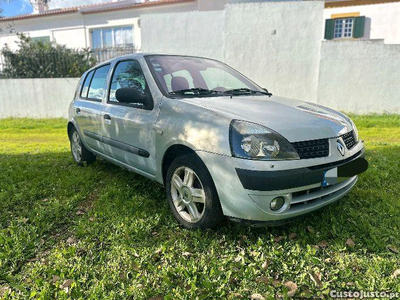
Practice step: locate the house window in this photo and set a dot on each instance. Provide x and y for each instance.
(41, 39)
(344, 28)
(339, 28)
(112, 37)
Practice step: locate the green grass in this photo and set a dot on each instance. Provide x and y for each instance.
(125, 244)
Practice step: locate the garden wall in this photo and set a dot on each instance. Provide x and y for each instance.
(36, 98)
(360, 76)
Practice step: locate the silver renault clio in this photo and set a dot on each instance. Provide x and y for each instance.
(219, 143)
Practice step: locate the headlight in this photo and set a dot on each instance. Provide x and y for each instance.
(252, 141)
(355, 130)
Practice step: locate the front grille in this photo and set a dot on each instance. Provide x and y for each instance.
(312, 149)
(349, 139)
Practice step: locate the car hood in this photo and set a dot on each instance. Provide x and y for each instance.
(295, 120)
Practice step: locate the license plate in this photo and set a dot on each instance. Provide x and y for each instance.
(331, 177)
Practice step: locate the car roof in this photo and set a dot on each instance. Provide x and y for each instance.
(127, 56)
(139, 55)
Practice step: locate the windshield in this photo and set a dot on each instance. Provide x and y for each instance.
(182, 76)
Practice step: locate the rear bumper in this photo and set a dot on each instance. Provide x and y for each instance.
(246, 187)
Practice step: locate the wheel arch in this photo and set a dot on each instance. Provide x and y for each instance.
(70, 126)
(171, 154)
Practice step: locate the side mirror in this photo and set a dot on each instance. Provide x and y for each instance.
(131, 95)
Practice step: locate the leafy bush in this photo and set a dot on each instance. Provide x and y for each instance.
(44, 60)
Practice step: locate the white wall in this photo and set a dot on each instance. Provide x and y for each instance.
(382, 20)
(276, 44)
(360, 76)
(279, 46)
(190, 33)
(36, 98)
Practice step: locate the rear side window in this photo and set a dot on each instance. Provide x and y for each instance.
(97, 84)
(86, 84)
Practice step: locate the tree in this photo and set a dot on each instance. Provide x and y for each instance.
(44, 60)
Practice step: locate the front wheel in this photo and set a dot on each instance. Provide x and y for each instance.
(191, 193)
(79, 152)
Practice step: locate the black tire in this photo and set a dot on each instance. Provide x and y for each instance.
(85, 155)
(212, 215)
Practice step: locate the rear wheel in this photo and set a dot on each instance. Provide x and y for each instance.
(79, 152)
(191, 193)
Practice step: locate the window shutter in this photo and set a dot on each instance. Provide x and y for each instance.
(329, 28)
(359, 23)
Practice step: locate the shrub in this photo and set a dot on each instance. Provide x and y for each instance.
(44, 60)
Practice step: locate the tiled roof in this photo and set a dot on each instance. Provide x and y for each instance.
(126, 5)
(343, 3)
(44, 14)
(95, 8)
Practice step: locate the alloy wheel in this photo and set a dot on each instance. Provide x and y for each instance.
(188, 194)
(76, 146)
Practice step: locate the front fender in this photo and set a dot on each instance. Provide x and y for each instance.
(192, 126)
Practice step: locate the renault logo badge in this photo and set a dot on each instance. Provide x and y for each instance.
(341, 147)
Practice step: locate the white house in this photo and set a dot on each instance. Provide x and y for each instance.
(117, 24)
(363, 19)
(96, 26)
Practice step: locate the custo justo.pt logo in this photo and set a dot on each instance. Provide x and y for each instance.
(363, 294)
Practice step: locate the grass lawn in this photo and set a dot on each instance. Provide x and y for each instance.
(101, 232)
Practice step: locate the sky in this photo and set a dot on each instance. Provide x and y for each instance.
(18, 7)
(15, 7)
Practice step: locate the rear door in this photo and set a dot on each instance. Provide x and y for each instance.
(89, 107)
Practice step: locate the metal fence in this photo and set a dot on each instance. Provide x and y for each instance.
(52, 63)
(101, 55)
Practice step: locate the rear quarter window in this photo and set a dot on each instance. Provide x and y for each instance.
(85, 87)
(97, 84)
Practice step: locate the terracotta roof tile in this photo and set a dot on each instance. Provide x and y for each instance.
(44, 14)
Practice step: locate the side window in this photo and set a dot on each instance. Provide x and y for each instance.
(85, 87)
(215, 78)
(127, 74)
(97, 85)
(183, 73)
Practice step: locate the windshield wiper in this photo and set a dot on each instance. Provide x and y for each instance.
(246, 91)
(196, 91)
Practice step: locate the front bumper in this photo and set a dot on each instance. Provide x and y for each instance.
(246, 187)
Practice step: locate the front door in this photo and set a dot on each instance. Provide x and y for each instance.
(89, 107)
(129, 132)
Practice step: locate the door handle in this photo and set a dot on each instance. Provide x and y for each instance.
(107, 119)
(78, 111)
